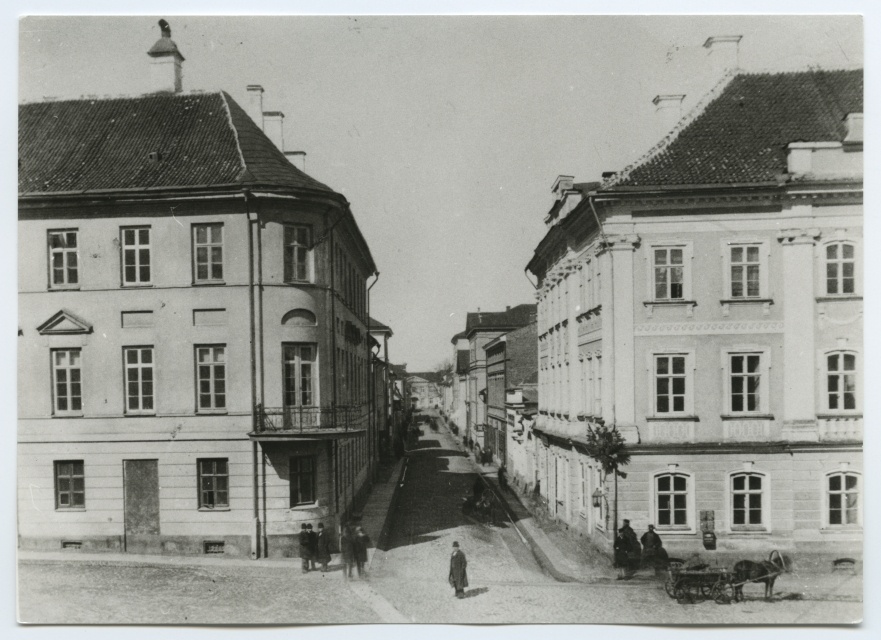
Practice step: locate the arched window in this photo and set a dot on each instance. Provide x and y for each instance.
(299, 318)
(672, 498)
(843, 499)
(749, 501)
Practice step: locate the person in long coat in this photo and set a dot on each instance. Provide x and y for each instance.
(322, 547)
(635, 549)
(622, 553)
(653, 554)
(347, 551)
(458, 573)
(362, 541)
(313, 545)
(305, 553)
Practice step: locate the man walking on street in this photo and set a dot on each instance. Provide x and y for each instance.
(322, 548)
(458, 573)
(503, 478)
(347, 551)
(362, 541)
(303, 539)
(313, 545)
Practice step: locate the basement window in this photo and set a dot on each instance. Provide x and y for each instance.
(72, 545)
(212, 547)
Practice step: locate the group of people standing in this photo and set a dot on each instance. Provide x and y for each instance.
(631, 552)
(316, 548)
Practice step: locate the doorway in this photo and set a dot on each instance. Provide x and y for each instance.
(141, 508)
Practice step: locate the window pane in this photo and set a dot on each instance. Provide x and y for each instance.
(663, 364)
(850, 482)
(664, 483)
(737, 254)
(738, 483)
(679, 364)
(850, 362)
(755, 483)
(835, 483)
(678, 386)
(752, 254)
(679, 483)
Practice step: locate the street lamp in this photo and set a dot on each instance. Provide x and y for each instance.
(597, 496)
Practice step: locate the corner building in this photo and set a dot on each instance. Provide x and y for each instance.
(192, 352)
(707, 302)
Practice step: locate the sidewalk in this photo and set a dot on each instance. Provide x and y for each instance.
(374, 518)
(569, 560)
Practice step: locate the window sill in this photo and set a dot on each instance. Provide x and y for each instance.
(672, 416)
(838, 415)
(747, 416)
(674, 531)
(61, 288)
(843, 297)
(748, 530)
(688, 304)
(764, 302)
(67, 415)
(137, 285)
(305, 507)
(209, 412)
(298, 283)
(209, 283)
(63, 509)
(139, 415)
(843, 528)
(212, 509)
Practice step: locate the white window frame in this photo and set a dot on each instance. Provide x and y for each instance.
(212, 378)
(209, 245)
(840, 238)
(765, 526)
(136, 249)
(764, 353)
(297, 362)
(764, 264)
(824, 381)
(64, 251)
(687, 249)
(651, 368)
(140, 366)
(690, 525)
(844, 471)
(68, 383)
(296, 246)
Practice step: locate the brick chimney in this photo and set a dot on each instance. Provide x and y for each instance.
(255, 104)
(723, 52)
(273, 127)
(166, 73)
(668, 111)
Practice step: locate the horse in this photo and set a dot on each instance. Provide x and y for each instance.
(765, 571)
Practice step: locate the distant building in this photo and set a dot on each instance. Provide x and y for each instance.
(192, 359)
(425, 390)
(383, 386)
(459, 380)
(707, 302)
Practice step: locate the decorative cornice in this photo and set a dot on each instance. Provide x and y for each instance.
(64, 323)
(707, 328)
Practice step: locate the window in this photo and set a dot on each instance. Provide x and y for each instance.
(747, 500)
(302, 480)
(841, 385)
(671, 500)
(63, 259)
(296, 253)
(745, 268)
(70, 485)
(208, 252)
(843, 493)
(139, 379)
(136, 256)
(67, 379)
(211, 378)
(840, 266)
(670, 374)
(299, 374)
(745, 377)
(213, 483)
(668, 273)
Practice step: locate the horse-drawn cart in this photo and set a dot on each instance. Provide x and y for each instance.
(688, 584)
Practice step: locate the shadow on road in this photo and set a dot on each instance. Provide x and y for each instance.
(473, 593)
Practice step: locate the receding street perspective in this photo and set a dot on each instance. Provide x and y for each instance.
(462, 320)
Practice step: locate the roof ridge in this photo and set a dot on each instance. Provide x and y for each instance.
(668, 139)
(120, 96)
(235, 133)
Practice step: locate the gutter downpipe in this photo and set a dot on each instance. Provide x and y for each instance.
(371, 390)
(255, 525)
(261, 371)
(333, 363)
(590, 201)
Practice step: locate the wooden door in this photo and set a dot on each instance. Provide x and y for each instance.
(141, 510)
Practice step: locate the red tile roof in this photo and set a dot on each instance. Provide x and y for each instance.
(742, 134)
(202, 140)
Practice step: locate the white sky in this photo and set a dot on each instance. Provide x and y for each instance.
(446, 136)
(445, 133)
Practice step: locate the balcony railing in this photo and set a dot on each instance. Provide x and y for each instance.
(310, 419)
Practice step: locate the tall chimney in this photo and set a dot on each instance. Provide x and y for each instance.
(668, 111)
(273, 127)
(255, 104)
(166, 73)
(297, 158)
(723, 52)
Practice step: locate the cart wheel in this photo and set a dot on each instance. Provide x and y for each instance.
(723, 593)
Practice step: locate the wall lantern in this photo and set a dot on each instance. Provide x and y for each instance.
(597, 498)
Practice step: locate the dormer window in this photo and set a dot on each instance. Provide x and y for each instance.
(854, 123)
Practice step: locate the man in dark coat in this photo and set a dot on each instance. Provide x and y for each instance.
(622, 554)
(305, 553)
(458, 573)
(653, 554)
(347, 551)
(362, 542)
(635, 550)
(322, 547)
(313, 545)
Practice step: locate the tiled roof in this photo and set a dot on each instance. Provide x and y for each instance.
(428, 376)
(202, 140)
(742, 134)
(376, 325)
(514, 317)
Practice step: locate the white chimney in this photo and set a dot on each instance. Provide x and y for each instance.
(854, 124)
(255, 104)
(297, 158)
(273, 127)
(166, 74)
(668, 112)
(723, 52)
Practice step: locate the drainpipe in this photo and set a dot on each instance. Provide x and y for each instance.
(333, 354)
(371, 388)
(250, 218)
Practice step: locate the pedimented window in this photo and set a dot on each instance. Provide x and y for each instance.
(64, 323)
